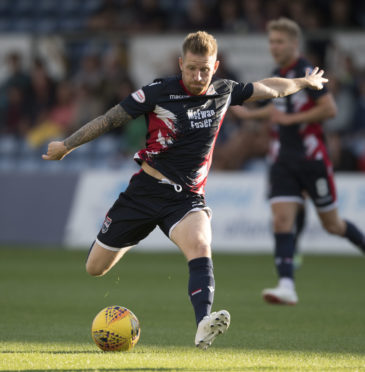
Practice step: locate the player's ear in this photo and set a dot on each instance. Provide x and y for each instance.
(216, 65)
(180, 63)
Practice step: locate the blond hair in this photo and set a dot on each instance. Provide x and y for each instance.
(285, 25)
(200, 43)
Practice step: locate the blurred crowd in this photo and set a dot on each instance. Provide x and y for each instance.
(36, 107)
(224, 15)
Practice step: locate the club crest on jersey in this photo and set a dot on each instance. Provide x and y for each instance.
(139, 96)
(106, 224)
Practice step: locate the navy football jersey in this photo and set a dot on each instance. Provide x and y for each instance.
(182, 128)
(304, 140)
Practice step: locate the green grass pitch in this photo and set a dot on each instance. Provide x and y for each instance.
(47, 304)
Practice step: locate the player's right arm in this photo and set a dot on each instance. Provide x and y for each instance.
(113, 118)
(281, 87)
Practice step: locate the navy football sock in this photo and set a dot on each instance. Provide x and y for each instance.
(355, 236)
(284, 251)
(201, 286)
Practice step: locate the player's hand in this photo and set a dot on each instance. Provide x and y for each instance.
(56, 151)
(315, 79)
(279, 117)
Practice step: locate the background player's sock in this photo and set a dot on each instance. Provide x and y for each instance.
(355, 236)
(201, 286)
(299, 224)
(284, 251)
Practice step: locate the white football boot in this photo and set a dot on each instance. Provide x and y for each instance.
(210, 327)
(283, 294)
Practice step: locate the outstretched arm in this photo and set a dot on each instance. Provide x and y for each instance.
(280, 87)
(113, 118)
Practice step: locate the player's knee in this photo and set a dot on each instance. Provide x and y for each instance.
(332, 227)
(94, 269)
(202, 249)
(282, 223)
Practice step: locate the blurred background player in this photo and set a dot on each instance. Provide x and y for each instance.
(184, 114)
(300, 160)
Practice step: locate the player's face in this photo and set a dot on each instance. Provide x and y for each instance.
(283, 47)
(197, 71)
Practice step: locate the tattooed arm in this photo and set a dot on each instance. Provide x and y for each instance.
(113, 118)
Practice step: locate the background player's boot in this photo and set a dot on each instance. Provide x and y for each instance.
(280, 295)
(210, 327)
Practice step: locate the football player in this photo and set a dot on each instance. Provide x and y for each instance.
(183, 115)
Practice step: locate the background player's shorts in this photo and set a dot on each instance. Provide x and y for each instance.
(145, 204)
(288, 181)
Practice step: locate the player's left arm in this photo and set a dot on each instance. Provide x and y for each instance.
(280, 87)
(324, 108)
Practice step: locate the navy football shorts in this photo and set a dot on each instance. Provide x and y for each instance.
(288, 181)
(146, 203)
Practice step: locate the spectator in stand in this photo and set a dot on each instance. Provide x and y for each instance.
(246, 141)
(343, 159)
(199, 15)
(87, 106)
(115, 66)
(296, 9)
(253, 15)
(15, 116)
(63, 112)
(359, 111)
(344, 98)
(342, 14)
(151, 17)
(338, 127)
(59, 120)
(43, 90)
(239, 141)
(230, 16)
(106, 17)
(90, 72)
(359, 125)
(18, 78)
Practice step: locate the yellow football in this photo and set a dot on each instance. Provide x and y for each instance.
(115, 328)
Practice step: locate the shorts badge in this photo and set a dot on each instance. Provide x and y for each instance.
(106, 224)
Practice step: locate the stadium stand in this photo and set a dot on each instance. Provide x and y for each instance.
(96, 66)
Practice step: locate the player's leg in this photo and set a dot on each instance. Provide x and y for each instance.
(322, 189)
(100, 259)
(125, 224)
(334, 224)
(284, 214)
(193, 236)
(285, 199)
(298, 229)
